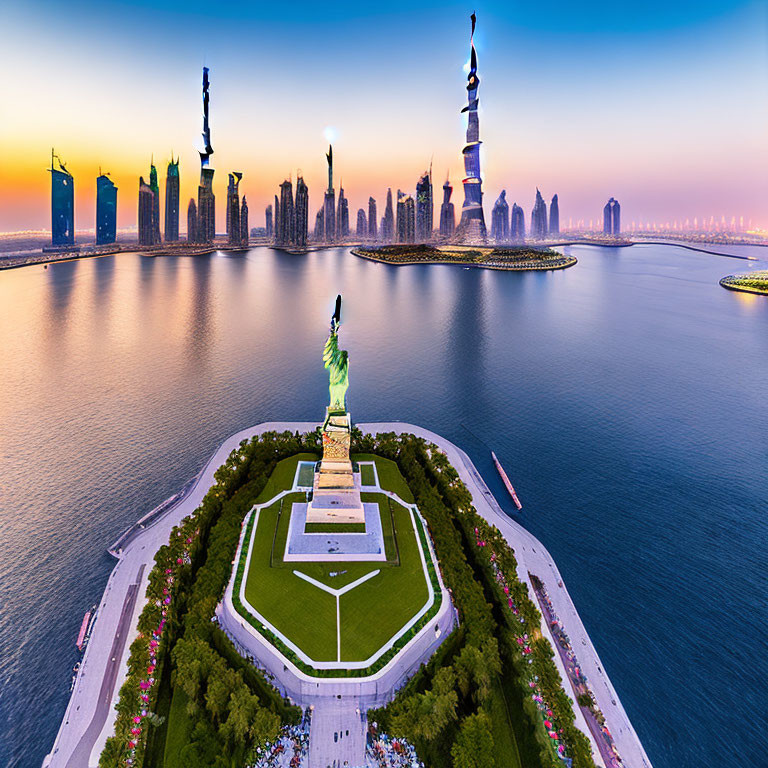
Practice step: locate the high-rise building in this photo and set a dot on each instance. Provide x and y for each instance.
(406, 218)
(342, 217)
(372, 234)
(301, 228)
(244, 231)
(388, 221)
(612, 217)
(447, 215)
(362, 225)
(62, 204)
(206, 200)
(517, 224)
(329, 203)
(155, 187)
(285, 226)
(172, 192)
(500, 219)
(472, 225)
(424, 208)
(319, 234)
(234, 230)
(268, 222)
(106, 210)
(554, 217)
(277, 214)
(146, 213)
(191, 221)
(539, 218)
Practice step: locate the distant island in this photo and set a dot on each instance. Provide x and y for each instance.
(520, 258)
(754, 282)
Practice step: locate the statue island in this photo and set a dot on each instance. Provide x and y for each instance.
(336, 488)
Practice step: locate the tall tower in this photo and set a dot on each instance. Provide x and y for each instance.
(388, 221)
(302, 212)
(372, 219)
(472, 224)
(146, 213)
(233, 208)
(539, 218)
(206, 200)
(517, 224)
(554, 217)
(172, 202)
(245, 234)
(106, 210)
(284, 234)
(268, 221)
(424, 208)
(447, 215)
(342, 216)
(155, 187)
(612, 217)
(329, 203)
(191, 221)
(362, 224)
(500, 219)
(62, 204)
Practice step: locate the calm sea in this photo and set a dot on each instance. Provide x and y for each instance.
(626, 397)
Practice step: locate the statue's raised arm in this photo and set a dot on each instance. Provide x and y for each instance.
(337, 362)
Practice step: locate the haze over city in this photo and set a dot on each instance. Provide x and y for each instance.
(663, 106)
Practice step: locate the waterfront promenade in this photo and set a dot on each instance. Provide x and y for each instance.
(88, 720)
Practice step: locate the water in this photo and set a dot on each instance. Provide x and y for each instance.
(626, 397)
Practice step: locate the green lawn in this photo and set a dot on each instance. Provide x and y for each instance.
(334, 528)
(389, 475)
(372, 612)
(282, 478)
(367, 475)
(505, 749)
(179, 727)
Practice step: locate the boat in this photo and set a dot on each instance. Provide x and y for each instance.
(80, 642)
(504, 477)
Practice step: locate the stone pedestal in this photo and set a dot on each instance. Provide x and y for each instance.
(336, 491)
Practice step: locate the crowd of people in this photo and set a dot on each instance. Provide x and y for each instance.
(290, 750)
(592, 713)
(385, 752)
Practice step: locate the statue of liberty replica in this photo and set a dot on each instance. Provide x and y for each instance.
(336, 490)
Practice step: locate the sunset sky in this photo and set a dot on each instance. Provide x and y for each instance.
(662, 104)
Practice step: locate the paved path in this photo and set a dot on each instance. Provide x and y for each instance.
(82, 752)
(337, 734)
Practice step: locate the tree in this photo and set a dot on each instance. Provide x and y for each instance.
(473, 747)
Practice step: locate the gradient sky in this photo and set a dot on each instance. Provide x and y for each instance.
(662, 104)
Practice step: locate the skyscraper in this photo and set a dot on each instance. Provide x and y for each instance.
(329, 203)
(268, 221)
(106, 210)
(388, 221)
(472, 225)
(319, 233)
(206, 200)
(146, 213)
(517, 224)
(424, 208)
(372, 234)
(342, 217)
(191, 221)
(500, 219)
(406, 218)
(554, 217)
(277, 215)
(234, 229)
(62, 204)
(612, 217)
(539, 218)
(301, 228)
(245, 234)
(155, 187)
(362, 225)
(447, 215)
(286, 222)
(172, 192)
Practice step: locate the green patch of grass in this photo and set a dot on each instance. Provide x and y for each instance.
(302, 612)
(390, 478)
(377, 609)
(367, 475)
(505, 750)
(179, 729)
(334, 528)
(282, 478)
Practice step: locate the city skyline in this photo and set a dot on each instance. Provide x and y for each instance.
(720, 171)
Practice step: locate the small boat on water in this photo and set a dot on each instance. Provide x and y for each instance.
(86, 628)
(504, 477)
